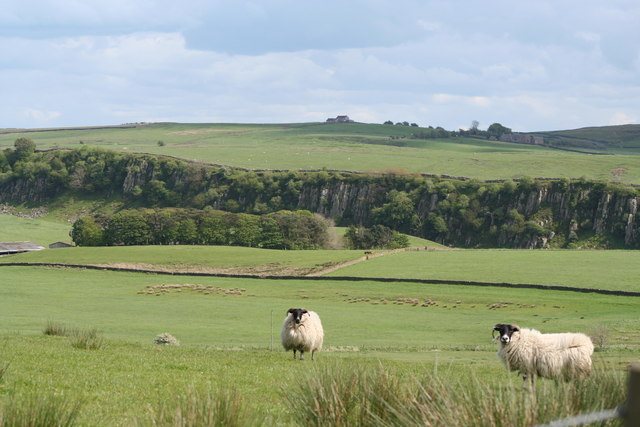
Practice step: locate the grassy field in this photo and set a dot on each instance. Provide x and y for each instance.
(238, 312)
(123, 384)
(229, 327)
(608, 139)
(598, 269)
(355, 146)
(195, 258)
(229, 337)
(612, 270)
(37, 230)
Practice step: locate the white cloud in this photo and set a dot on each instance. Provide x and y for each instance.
(437, 62)
(622, 118)
(41, 116)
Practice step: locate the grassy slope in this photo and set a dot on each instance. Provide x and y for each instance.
(362, 147)
(189, 256)
(130, 373)
(589, 269)
(614, 270)
(608, 139)
(38, 230)
(120, 380)
(462, 318)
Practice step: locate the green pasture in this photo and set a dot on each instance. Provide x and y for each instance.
(37, 230)
(612, 269)
(231, 339)
(133, 307)
(354, 146)
(121, 383)
(596, 269)
(185, 257)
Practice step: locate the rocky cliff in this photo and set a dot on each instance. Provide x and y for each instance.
(528, 213)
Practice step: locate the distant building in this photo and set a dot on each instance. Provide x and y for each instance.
(60, 245)
(340, 119)
(522, 138)
(8, 248)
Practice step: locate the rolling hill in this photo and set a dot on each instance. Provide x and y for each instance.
(623, 139)
(363, 148)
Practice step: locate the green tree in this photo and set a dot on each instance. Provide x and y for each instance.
(156, 193)
(187, 232)
(435, 225)
(270, 234)
(398, 213)
(127, 228)
(496, 130)
(376, 237)
(85, 231)
(163, 226)
(247, 230)
(212, 229)
(24, 148)
(4, 162)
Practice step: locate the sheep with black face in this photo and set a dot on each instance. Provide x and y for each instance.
(555, 356)
(302, 331)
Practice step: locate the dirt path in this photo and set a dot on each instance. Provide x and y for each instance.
(374, 254)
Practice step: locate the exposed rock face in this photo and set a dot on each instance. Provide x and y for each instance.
(525, 214)
(579, 208)
(23, 190)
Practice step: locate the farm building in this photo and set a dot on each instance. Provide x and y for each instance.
(8, 248)
(339, 119)
(60, 245)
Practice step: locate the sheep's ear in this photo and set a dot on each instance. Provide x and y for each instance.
(497, 327)
(515, 328)
(304, 310)
(290, 310)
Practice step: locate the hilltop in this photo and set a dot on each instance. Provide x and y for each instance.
(623, 139)
(359, 147)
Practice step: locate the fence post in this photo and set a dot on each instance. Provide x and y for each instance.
(632, 408)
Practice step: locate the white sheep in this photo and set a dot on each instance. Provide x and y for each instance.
(555, 356)
(302, 331)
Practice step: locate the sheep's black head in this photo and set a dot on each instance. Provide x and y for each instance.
(297, 313)
(505, 331)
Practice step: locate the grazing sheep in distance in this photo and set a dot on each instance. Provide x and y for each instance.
(302, 331)
(555, 356)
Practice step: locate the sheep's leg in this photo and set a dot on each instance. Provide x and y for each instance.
(312, 353)
(532, 378)
(301, 354)
(533, 383)
(294, 355)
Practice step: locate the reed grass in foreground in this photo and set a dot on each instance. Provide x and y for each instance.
(201, 407)
(88, 339)
(124, 384)
(39, 410)
(334, 396)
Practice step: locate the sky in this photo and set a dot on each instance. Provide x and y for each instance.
(530, 65)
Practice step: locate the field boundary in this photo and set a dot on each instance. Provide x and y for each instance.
(333, 278)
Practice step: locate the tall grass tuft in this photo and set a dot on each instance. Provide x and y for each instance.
(57, 329)
(39, 410)
(87, 339)
(337, 397)
(3, 370)
(437, 402)
(340, 396)
(222, 407)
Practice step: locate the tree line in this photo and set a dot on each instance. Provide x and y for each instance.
(494, 131)
(175, 226)
(470, 213)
